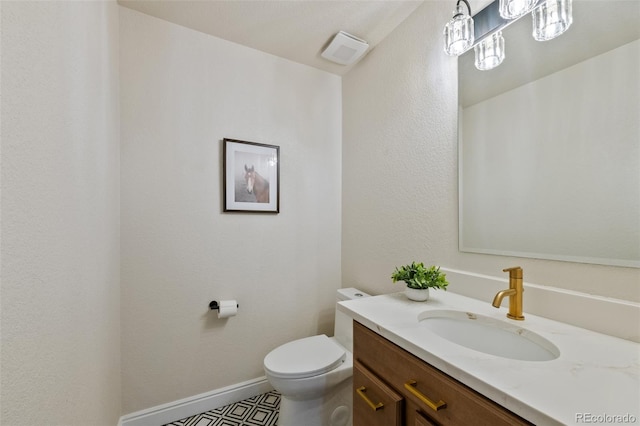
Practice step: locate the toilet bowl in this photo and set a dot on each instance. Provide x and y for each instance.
(314, 374)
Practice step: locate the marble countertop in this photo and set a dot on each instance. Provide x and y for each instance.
(595, 379)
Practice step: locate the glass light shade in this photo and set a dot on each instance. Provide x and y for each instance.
(512, 9)
(458, 33)
(551, 19)
(490, 52)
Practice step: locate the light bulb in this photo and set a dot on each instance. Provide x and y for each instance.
(551, 19)
(458, 33)
(512, 9)
(490, 52)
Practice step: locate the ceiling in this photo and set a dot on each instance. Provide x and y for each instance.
(297, 30)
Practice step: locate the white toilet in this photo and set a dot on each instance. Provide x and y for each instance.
(314, 374)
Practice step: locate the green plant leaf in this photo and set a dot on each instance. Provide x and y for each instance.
(415, 275)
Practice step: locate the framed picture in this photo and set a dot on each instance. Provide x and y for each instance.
(251, 177)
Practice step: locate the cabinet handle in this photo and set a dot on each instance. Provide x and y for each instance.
(375, 407)
(435, 406)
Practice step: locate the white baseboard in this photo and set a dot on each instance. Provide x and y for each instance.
(170, 412)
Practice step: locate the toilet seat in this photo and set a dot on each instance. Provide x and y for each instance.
(306, 357)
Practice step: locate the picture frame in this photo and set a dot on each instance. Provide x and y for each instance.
(251, 177)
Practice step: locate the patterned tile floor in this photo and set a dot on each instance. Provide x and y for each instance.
(261, 410)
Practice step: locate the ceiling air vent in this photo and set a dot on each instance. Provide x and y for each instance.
(345, 49)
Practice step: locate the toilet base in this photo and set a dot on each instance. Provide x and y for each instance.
(332, 409)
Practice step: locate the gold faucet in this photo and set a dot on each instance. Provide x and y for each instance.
(514, 292)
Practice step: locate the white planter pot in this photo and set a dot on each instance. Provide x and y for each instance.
(417, 294)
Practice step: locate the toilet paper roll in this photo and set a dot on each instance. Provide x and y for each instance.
(228, 308)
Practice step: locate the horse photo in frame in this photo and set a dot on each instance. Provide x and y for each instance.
(251, 174)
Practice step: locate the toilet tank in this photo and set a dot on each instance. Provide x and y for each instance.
(343, 328)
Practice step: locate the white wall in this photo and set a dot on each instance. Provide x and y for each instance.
(182, 92)
(400, 170)
(399, 154)
(60, 207)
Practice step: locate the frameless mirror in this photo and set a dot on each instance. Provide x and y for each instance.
(549, 142)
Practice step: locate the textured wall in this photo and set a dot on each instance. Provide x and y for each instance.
(182, 92)
(60, 208)
(399, 154)
(400, 170)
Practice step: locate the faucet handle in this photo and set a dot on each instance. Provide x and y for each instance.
(514, 272)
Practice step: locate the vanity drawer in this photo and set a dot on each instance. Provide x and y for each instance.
(374, 403)
(437, 397)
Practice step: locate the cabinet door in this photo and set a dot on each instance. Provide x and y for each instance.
(374, 403)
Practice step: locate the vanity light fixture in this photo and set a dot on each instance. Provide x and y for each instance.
(459, 31)
(512, 9)
(551, 19)
(490, 52)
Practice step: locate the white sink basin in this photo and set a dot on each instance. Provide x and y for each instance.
(488, 335)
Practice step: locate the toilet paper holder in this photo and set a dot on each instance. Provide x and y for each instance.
(214, 306)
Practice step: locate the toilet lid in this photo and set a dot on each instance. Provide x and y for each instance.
(306, 357)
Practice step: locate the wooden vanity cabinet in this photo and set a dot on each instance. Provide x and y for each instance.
(430, 396)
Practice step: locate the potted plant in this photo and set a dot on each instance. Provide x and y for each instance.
(420, 279)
